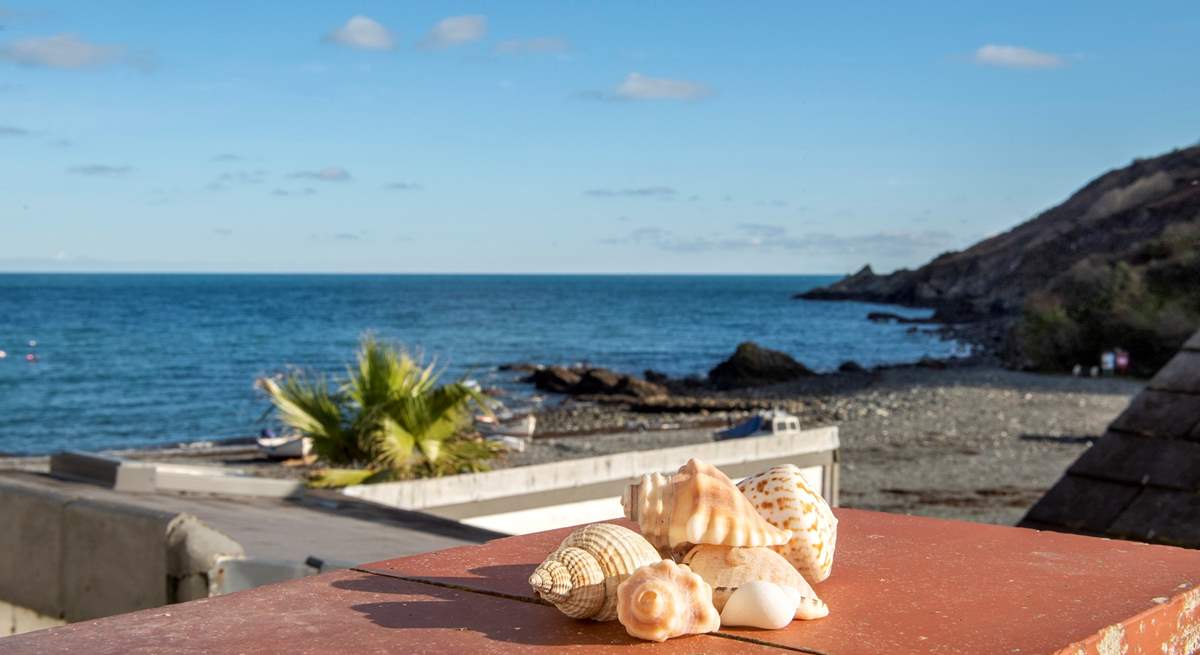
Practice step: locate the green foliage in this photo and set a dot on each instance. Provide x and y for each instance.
(1147, 302)
(387, 419)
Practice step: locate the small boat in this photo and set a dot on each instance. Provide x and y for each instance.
(763, 424)
(286, 447)
(513, 426)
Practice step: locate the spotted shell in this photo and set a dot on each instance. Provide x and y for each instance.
(664, 600)
(782, 496)
(581, 576)
(697, 505)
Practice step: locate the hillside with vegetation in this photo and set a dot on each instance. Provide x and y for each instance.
(1115, 265)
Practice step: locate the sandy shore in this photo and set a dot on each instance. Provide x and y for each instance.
(972, 442)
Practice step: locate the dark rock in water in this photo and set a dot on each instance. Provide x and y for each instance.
(640, 389)
(555, 379)
(751, 365)
(597, 381)
(851, 366)
(521, 367)
(656, 377)
(930, 362)
(889, 317)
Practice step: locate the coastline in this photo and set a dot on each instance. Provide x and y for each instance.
(971, 441)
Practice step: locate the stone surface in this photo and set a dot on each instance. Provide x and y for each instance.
(900, 585)
(31, 540)
(114, 558)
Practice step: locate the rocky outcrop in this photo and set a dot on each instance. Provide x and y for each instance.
(1113, 213)
(751, 365)
(594, 383)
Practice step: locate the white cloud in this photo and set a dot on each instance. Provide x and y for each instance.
(456, 30)
(1011, 56)
(536, 45)
(62, 51)
(639, 87)
(769, 238)
(327, 174)
(363, 33)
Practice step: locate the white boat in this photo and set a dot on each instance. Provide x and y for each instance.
(763, 424)
(287, 447)
(517, 426)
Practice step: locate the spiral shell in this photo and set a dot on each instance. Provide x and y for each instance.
(782, 496)
(728, 569)
(581, 576)
(697, 505)
(665, 600)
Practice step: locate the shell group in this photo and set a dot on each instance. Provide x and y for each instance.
(581, 576)
(664, 600)
(782, 496)
(697, 505)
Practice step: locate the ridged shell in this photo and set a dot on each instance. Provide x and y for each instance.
(581, 576)
(665, 600)
(697, 505)
(782, 496)
(727, 569)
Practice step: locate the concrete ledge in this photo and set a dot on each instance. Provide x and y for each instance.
(31, 547)
(592, 477)
(149, 477)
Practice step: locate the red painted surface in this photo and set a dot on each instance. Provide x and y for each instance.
(900, 585)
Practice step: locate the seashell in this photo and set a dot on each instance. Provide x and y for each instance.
(665, 600)
(783, 498)
(697, 505)
(581, 576)
(760, 604)
(727, 569)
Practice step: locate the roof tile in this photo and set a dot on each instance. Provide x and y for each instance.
(1162, 515)
(1181, 374)
(1160, 414)
(1120, 457)
(1084, 504)
(1193, 343)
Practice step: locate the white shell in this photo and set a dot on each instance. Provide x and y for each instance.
(759, 604)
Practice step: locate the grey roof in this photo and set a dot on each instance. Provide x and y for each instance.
(1142, 479)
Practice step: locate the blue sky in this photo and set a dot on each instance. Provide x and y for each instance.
(564, 137)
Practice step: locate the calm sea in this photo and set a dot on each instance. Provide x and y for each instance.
(136, 360)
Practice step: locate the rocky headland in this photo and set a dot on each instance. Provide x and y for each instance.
(1115, 265)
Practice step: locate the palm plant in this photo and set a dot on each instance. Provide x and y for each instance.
(388, 418)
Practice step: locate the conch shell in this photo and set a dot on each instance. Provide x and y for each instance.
(581, 576)
(665, 600)
(728, 569)
(697, 505)
(760, 604)
(783, 498)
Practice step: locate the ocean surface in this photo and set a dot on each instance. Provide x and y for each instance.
(141, 360)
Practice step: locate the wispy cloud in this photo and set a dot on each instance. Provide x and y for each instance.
(100, 170)
(231, 178)
(636, 192)
(9, 130)
(1011, 56)
(305, 191)
(456, 30)
(222, 231)
(328, 174)
(403, 186)
(363, 33)
(775, 238)
(61, 51)
(535, 45)
(640, 87)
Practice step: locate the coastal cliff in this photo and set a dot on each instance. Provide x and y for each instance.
(1125, 241)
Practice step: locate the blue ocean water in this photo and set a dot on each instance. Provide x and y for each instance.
(137, 360)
